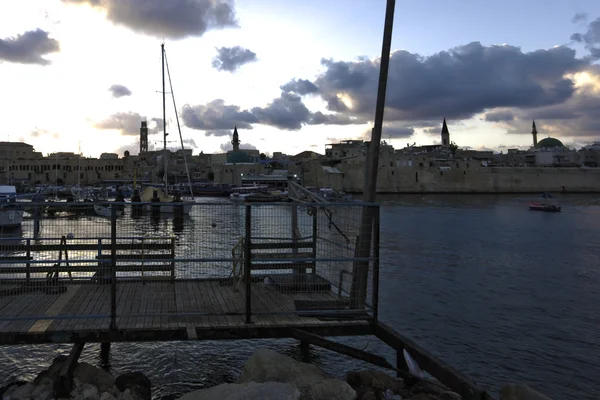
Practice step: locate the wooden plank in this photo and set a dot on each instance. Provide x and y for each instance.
(63, 385)
(55, 308)
(84, 268)
(280, 266)
(281, 245)
(280, 256)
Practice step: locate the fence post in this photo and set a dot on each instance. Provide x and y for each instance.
(375, 288)
(113, 256)
(28, 264)
(248, 263)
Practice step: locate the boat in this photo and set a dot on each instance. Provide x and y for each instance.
(262, 198)
(240, 193)
(544, 207)
(11, 215)
(106, 211)
(169, 204)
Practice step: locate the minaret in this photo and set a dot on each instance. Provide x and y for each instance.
(534, 133)
(445, 135)
(143, 137)
(236, 140)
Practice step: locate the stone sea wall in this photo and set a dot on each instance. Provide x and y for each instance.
(473, 180)
(267, 375)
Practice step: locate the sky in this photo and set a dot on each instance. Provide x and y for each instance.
(294, 75)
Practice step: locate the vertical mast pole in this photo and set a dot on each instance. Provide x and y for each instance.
(162, 55)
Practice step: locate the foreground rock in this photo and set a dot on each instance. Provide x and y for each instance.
(247, 391)
(89, 382)
(520, 392)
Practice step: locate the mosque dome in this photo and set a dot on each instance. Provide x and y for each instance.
(549, 143)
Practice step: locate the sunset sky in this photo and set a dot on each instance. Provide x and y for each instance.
(294, 75)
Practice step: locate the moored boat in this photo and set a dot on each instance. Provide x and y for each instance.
(11, 215)
(544, 207)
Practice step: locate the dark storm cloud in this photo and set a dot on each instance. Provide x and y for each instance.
(231, 58)
(173, 19)
(499, 116)
(28, 48)
(190, 142)
(286, 112)
(128, 123)
(300, 86)
(119, 91)
(457, 83)
(397, 132)
(217, 118)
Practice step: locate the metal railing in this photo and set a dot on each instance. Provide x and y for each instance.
(222, 259)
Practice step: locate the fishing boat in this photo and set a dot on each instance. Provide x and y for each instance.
(11, 215)
(240, 193)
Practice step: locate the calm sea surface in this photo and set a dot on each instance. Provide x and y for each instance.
(502, 293)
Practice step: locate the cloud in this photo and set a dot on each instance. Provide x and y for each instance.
(172, 19)
(217, 118)
(300, 86)
(28, 48)
(231, 58)
(190, 142)
(457, 83)
(128, 123)
(286, 112)
(227, 146)
(591, 38)
(119, 91)
(499, 116)
(579, 17)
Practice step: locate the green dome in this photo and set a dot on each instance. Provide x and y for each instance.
(549, 143)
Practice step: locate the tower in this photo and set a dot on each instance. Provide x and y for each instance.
(143, 137)
(445, 134)
(534, 134)
(236, 140)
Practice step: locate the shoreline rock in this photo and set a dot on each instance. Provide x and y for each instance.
(89, 383)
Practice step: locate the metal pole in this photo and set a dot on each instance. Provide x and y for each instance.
(113, 256)
(358, 291)
(248, 264)
(375, 288)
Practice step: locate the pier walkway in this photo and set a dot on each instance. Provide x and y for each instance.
(220, 271)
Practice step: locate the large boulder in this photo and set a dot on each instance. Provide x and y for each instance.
(266, 365)
(434, 390)
(246, 391)
(138, 383)
(520, 392)
(86, 373)
(370, 383)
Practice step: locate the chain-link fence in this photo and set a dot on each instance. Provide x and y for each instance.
(96, 266)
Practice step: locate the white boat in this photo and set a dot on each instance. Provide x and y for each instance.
(167, 202)
(240, 193)
(10, 214)
(106, 211)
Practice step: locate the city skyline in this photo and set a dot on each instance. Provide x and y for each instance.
(294, 75)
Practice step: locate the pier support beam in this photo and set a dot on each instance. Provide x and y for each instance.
(63, 385)
(105, 354)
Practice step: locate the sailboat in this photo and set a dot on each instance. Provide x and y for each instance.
(168, 203)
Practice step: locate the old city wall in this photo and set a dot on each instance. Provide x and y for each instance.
(480, 180)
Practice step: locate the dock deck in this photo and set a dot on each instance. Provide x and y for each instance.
(187, 310)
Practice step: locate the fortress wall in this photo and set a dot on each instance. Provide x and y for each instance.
(475, 180)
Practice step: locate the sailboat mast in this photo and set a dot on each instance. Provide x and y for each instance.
(162, 54)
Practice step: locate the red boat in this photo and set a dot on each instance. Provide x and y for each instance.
(544, 207)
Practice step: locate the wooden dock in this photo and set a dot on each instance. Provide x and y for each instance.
(184, 310)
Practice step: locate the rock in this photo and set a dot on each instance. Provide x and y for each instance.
(434, 390)
(328, 389)
(90, 393)
(43, 391)
(520, 392)
(138, 383)
(107, 396)
(246, 391)
(98, 377)
(376, 380)
(52, 372)
(421, 396)
(20, 392)
(269, 366)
